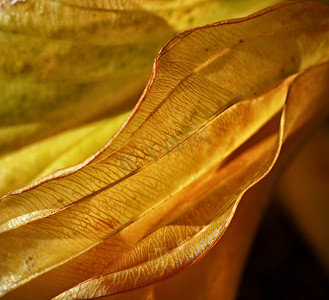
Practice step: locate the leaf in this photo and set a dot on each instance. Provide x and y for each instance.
(80, 58)
(57, 152)
(212, 89)
(184, 14)
(60, 60)
(53, 70)
(217, 275)
(188, 238)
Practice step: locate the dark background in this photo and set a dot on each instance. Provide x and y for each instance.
(281, 265)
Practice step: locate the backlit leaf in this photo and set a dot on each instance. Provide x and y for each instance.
(182, 242)
(174, 174)
(88, 60)
(21, 167)
(85, 59)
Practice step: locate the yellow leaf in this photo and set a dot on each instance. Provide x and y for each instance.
(212, 89)
(217, 275)
(85, 59)
(181, 243)
(62, 65)
(66, 149)
(184, 14)
(88, 60)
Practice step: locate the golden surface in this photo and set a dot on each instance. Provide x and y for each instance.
(165, 189)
